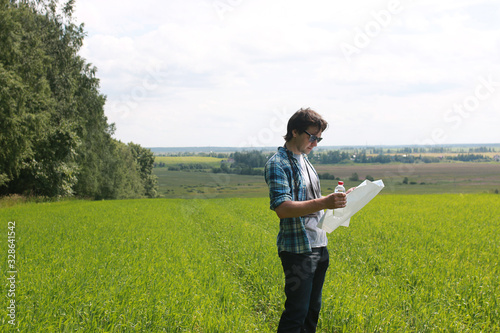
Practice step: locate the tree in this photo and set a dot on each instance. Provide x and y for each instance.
(39, 144)
(54, 137)
(145, 160)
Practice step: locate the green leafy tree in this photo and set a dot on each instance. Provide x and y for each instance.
(54, 137)
(145, 160)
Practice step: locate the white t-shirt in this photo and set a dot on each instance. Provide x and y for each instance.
(317, 237)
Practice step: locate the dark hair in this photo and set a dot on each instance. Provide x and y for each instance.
(301, 120)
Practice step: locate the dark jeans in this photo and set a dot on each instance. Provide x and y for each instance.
(304, 277)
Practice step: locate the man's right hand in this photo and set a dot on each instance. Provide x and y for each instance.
(302, 208)
(336, 200)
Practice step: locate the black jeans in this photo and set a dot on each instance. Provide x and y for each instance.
(304, 278)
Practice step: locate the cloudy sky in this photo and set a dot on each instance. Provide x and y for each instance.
(231, 72)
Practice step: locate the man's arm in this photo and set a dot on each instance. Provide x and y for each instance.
(300, 208)
(281, 199)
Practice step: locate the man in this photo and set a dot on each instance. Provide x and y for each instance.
(295, 196)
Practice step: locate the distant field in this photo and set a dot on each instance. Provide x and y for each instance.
(199, 184)
(454, 177)
(407, 263)
(176, 160)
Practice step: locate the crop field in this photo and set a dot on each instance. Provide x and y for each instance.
(191, 184)
(407, 263)
(177, 160)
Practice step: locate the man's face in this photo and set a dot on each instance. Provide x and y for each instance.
(303, 141)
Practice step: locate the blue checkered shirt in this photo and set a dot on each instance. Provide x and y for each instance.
(283, 187)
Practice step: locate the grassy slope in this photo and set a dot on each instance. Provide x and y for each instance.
(406, 263)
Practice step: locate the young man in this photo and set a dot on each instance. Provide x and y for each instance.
(295, 195)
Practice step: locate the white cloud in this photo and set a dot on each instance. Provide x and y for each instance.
(190, 73)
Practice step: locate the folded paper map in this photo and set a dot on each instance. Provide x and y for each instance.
(357, 199)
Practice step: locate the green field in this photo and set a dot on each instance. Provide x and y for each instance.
(177, 160)
(407, 263)
(192, 184)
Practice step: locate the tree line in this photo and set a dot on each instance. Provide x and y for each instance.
(333, 157)
(244, 163)
(54, 137)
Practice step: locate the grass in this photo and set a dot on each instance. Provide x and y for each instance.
(132, 266)
(426, 265)
(408, 263)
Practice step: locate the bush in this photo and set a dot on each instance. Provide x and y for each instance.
(326, 175)
(354, 177)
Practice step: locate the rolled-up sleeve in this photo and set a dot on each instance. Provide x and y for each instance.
(278, 183)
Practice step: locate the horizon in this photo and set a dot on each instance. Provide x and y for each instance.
(220, 149)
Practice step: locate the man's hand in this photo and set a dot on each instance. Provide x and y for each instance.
(336, 200)
(301, 208)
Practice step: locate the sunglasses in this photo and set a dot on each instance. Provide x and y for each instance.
(313, 138)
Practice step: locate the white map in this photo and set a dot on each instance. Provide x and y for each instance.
(356, 200)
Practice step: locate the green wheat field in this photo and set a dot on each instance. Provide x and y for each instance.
(407, 263)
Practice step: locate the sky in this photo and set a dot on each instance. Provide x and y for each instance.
(232, 72)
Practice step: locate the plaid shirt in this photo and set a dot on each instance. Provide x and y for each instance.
(292, 236)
